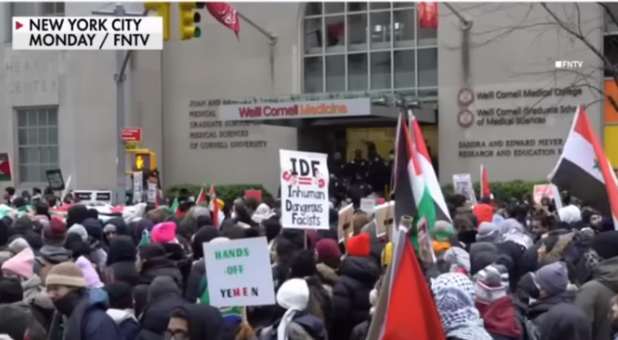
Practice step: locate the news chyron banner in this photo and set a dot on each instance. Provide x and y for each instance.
(88, 33)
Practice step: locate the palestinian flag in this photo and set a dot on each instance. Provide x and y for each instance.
(5, 167)
(584, 171)
(417, 190)
(405, 286)
(201, 197)
(485, 188)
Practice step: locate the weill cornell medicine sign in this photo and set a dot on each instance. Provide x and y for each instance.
(296, 110)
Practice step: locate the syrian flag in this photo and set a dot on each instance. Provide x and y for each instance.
(417, 190)
(485, 188)
(405, 286)
(584, 171)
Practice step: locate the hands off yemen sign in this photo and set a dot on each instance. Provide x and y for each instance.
(304, 190)
(239, 273)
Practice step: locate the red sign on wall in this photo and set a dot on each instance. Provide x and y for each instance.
(131, 134)
(428, 14)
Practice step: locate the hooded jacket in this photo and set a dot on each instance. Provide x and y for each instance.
(88, 321)
(594, 297)
(565, 322)
(16, 318)
(126, 322)
(163, 298)
(500, 319)
(205, 322)
(351, 294)
(160, 266)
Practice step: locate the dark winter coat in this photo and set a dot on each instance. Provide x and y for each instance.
(540, 307)
(126, 322)
(16, 318)
(594, 297)
(123, 271)
(88, 321)
(198, 272)
(304, 326)
(565, 321)
(351, 294)
(205, 322)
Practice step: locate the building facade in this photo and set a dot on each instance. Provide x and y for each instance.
(490, 93)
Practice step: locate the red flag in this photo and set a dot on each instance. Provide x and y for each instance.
(485, 188)
(225, 14)
(584, 170)
(405, 286)
(201, 197)
(214, 206)
(428, 14)
(5, 167)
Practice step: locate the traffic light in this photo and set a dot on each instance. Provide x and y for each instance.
(141, 162)
(189, 17)
(163, 10)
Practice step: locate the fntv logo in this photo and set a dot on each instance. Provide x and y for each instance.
(568, 64)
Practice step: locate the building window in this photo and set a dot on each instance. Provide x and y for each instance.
(37, 143)
(53, 8)
(360, 46)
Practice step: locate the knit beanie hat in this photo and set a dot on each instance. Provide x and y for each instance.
(10, 290)
(18, 244)
(293, 294)
(552, 278)
(491, 283)
(121, 248)
(55, 231)
(65, 274)
(606, 244)
(163, 232)
(120, 295)
(20, 264)
(54, 254)
(488, 232)
(442, 231)
(359, 245)
(328, 250)
(89, 273)
(79, 230)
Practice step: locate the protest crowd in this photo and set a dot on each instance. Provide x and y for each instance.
(515, 269)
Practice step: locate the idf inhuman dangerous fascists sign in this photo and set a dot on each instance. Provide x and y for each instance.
(304, 190)
(239, 273)
(88, 33)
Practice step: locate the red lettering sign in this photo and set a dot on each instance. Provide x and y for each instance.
(131, 134)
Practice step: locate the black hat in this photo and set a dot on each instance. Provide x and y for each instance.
(606, 244)
(10, 290)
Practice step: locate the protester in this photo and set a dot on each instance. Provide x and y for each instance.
(195, 322)
(454, 296)
(83, 309)
(358, 275)
(121, 309)
(594, 296)
(163, 298)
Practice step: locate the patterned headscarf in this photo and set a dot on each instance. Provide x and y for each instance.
(454, 296)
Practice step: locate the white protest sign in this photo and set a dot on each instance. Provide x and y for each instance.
(543, 190)
(304, 190)
(462, 184)
(239, 273)
(384, 218)
(368, 205)
(138, 186)
(344, 219)
(152, 192)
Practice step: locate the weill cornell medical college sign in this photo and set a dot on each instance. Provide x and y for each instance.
(296, 110)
